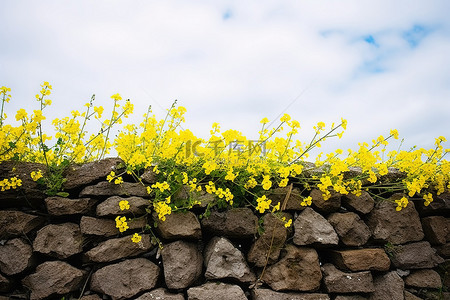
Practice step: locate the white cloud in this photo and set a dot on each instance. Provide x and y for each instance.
(240, 68)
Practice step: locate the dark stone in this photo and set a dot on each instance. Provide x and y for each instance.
(118, 248)
(160, 294)
(312, 228)
(59, 206)
(126, 279)
(388, 286)
(107, 227)
(362, 204)
(223, 260)
(87, 173)
(53, 277)
(272, 240)
(361, 259)
(233, 223)
(182, 225)
(105, 188)
(110, 207)
(339, 282)
(16, 223)
(216, 291)
(435, 229)
(333, 204)
(60, 241)
(15, 257)
(182, 263)
(440, 205)
(29, 194)
(5, 285)
(418, 255)
(267, 294)
(297, 270)
(396, 227)
(424, 279)
(351, 229)
(278, 195)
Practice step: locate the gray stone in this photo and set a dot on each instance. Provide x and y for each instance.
(361, 259)
(396, 227)
(435, 229)
(424, 279)
(297, 270)
(418, 255)
(278, 195)
(16, 223)
(351, 229)
(267, 294)
(216, 291)
(362, 204)
(53, 277)
(110, 207)
(182, 263)
(330, 205)
(118, 248)
(311, 228)
(59, 206)
(223, 260)
(388, 287)
(233, 223)
(160, 294)
(339, 282)
(353, 297)
(107, 227)
(126, 279)
(105, 188)
(84, 174)
(15, 257)
(267, 248)
(182, 225)
(60, 241)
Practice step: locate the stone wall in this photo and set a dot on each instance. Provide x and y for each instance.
(344, 248)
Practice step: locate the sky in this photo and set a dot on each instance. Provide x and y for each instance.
(379, 64)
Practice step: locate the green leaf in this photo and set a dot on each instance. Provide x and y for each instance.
(63, 194)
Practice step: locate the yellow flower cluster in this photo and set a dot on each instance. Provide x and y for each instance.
(124, 205)
(121, 223)
(36, 175)
(11, 183)
(238, 171)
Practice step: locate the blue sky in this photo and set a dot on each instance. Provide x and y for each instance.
(379, 64)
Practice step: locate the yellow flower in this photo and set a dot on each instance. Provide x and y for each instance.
(136, 238)
(306, 201)
(394, 133)
(121, 223)
(116, 97)
(264, 121)
(285, 118)
(428, 199)
(111, 176)
(288, 223)
(124, 205)
(263, 204)
(36, 175)
(118, 180)
(402, 203)
(344, 123)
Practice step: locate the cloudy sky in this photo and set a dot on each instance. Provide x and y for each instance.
(380, 64)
